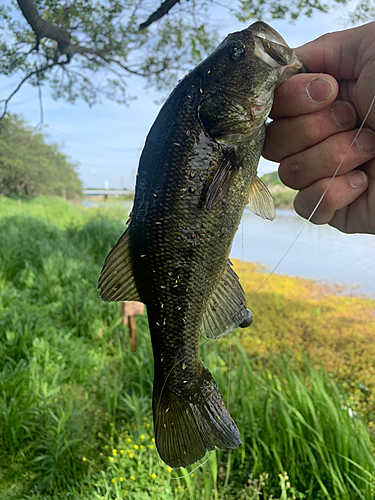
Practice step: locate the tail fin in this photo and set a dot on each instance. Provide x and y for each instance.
(191, 421)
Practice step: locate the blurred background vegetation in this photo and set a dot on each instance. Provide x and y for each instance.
(30, 165)
(75, 401)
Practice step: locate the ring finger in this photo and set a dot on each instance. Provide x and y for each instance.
(344, 150)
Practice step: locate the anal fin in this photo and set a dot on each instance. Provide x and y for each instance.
(226, 309)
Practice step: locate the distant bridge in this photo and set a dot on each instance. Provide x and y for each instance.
(106, 192)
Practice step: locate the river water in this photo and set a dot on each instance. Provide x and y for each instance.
(320, 252)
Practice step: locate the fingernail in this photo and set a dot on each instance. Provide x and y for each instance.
(343, 114)
(357, 178)
(319, 89)
(366, 141)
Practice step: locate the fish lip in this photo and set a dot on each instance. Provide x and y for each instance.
(267, 40)
(263, 30)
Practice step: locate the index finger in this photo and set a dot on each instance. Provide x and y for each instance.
(304, 93)
(342, 54)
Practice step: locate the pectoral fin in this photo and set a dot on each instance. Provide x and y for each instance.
(221, 181)
(260, 200)
(226, 310)
(116, 280)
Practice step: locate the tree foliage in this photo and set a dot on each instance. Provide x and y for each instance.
(89, 48)
(30, 166)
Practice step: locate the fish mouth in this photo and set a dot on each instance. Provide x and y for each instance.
(272, 49)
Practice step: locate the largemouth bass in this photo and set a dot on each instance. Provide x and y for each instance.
(197, 171)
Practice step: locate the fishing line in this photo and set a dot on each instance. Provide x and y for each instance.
(242, 250)
(321, 198)
(231, 347)
(196, 468)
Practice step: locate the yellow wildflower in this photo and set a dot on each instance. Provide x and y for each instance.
(169, 469)
(132, 478)
(84, 459)
(150, 446)
(142, 436)
(131, 455)
(153, 440)
(111, 459)
(122, 452)
(113, 480)
(128, 440)
(136, 447)
(114, 452)
(141, 446)
(121, 479)
(153, 476)
(147, 426)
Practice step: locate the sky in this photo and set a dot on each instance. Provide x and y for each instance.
(106, 140)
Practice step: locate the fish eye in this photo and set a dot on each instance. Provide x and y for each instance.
(236, 51)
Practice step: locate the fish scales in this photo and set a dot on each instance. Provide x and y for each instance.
(196, 173)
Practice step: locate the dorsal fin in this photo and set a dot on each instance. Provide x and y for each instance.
(116, 280)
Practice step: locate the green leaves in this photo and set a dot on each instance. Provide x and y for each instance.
(88, 49)
(267, 10)
(30, 166)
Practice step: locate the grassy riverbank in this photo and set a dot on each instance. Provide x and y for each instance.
(282, 195)
(75, 402)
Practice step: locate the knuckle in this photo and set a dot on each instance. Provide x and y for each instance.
(312, 129)
(289, 172)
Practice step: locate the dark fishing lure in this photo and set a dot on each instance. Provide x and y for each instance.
(196, 174)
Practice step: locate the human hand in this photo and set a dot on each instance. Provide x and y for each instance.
(315, 119)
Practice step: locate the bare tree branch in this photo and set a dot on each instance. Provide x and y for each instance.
(29, 75)
(45, 29)
(40, 102)
(164, 8)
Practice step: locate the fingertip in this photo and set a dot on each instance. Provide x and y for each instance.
(304, 93)
(358, 179)
(325, 197)
(301, 205)
(320, 88)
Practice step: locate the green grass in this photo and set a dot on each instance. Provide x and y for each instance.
(75, 402)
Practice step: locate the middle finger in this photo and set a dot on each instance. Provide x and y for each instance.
(288, 136)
